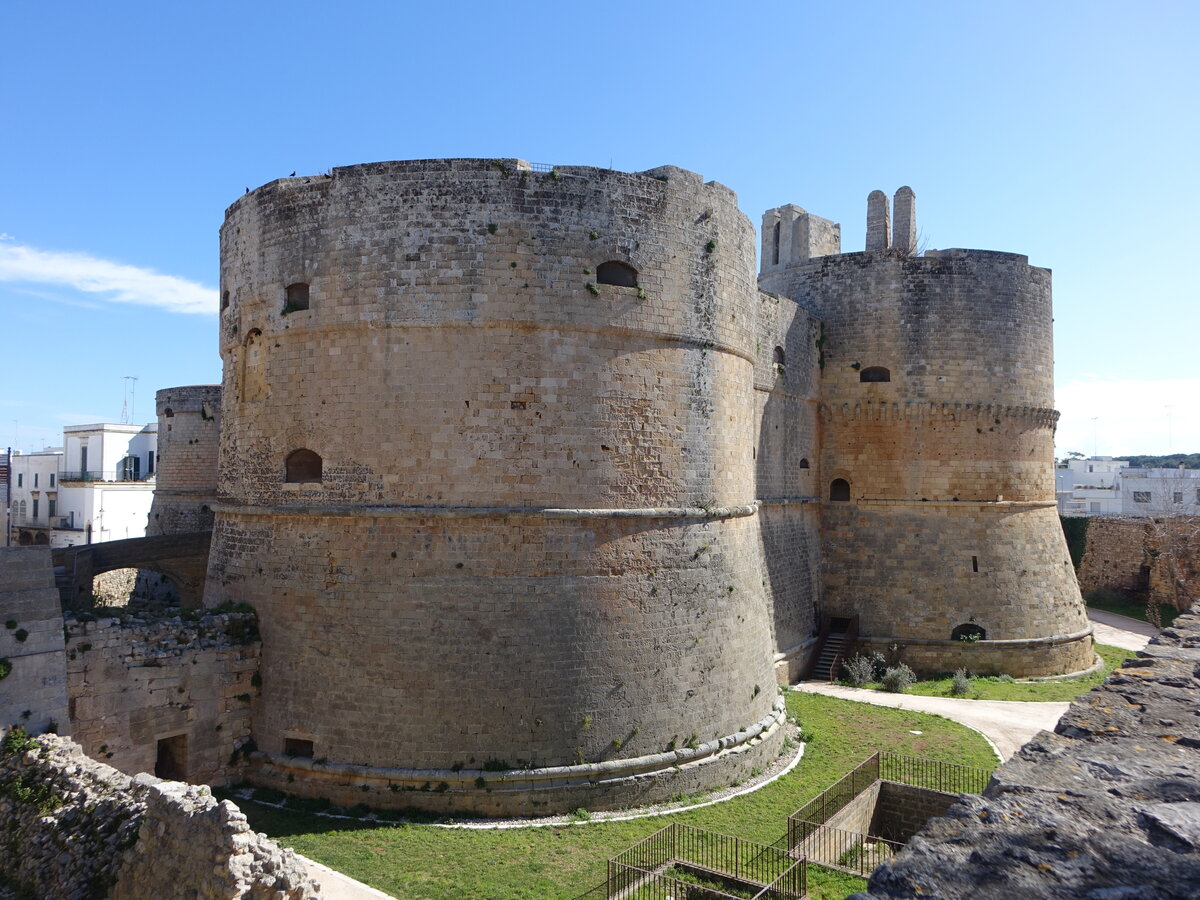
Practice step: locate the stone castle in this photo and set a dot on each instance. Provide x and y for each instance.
(538, 493)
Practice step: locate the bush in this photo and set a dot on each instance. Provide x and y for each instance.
(961, 683)
(898, 679)
(863, 668)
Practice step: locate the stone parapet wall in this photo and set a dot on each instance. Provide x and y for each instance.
(1107, 806)
(73, 827)
(34, 691)
(134, 683)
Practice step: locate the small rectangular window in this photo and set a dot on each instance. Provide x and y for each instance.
(35, 507)
(149, 463)
(974, 563)
(51, 479)
(35, 479)
(20, 479)
(51, 507)
(1141, 496)
(298, 747)
(1177, 497)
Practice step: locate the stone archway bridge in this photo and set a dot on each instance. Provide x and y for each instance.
(181, 557)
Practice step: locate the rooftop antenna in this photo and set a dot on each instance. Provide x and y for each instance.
(129, 402)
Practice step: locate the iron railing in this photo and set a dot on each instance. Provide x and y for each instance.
(847, 851)
(86, 475)
(647, 870)
(882, 766)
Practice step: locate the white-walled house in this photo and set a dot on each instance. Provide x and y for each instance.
(1102, 485)
(97, 487)
(1160, 492)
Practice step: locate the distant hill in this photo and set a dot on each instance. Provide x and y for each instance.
(1173, 461)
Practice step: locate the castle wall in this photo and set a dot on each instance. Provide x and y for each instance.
(1156, 555)
(33, 693)
(948, 457)
(132, 684)
(189, 426)
(535, 533)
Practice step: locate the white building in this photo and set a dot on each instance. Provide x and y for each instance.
(97, 487)
(1102, 485)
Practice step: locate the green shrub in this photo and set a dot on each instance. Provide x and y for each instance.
(961, 683)
(898, 679)
(863, 668)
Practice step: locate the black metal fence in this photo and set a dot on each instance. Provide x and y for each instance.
(847, 851)
(682, 861)
(928, 773)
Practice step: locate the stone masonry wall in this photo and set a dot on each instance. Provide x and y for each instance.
(1159, 556)
(72, 827)
(901, 810)
(34, 692)
(185, 490)
(133, 683)
(528, 476)
(1106, 806)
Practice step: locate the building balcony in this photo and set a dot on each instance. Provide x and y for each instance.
(90, 475)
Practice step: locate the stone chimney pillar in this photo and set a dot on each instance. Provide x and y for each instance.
(904, 207)
(878, 225)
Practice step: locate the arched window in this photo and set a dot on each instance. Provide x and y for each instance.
(968, 631)
(775, 253)
(297, 297)
(618, 273)
(839, 489)
(225, 300)
(169, 413)
(302, 467)
(780, 356)
(804, 463)
(874, 374)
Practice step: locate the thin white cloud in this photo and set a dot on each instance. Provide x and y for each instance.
(110, 281)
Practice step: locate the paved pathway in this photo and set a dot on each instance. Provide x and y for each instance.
(336, 886)
(1120, 631)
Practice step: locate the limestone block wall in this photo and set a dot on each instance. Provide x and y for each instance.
(901, 810)
(937, 423)
(532, 482)
(134, 683)
(1103, 807)
(787, 471)
(34, 692)
(79, 828)
(1159, 556)
(189, 427)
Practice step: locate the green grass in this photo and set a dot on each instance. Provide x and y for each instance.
(1040, 691)
(415, 862)
(1123, 605)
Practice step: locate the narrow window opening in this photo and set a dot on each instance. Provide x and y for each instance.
(618, 273)
(298, 747)
(974, 563)
(804, 463)
(297, 297)
(874, 374)
(780, 356)
(171, 761)
(775, 252)
(169, 413)
(839, 490)
(51, 479)
(302, 467)
(968, 631)
(225, 300)
(149, 463)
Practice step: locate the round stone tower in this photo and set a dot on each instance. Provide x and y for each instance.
(939, 524)
(185, 490)
(487, 476)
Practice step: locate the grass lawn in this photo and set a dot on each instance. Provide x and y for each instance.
(428, 863)
(1040, 691)
(1116, 602)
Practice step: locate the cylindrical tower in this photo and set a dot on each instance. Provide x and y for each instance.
(487, 476)
(185, 489)
(939, 524)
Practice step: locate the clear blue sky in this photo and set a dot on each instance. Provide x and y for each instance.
(1068, 131)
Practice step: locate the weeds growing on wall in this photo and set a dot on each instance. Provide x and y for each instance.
(1075, 529)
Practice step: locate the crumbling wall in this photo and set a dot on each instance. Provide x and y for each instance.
(1158, 557)
(136, 682)
(1108, 806)
(73, 827)
(32, 681)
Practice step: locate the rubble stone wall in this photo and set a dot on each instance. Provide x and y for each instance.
(74, 827)
(1158, 556)
(1106, 806)
(134, 683)
(33, 693)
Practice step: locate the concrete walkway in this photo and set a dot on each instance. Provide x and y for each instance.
(336, 886)
(1006, 723)
(1120, 631)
